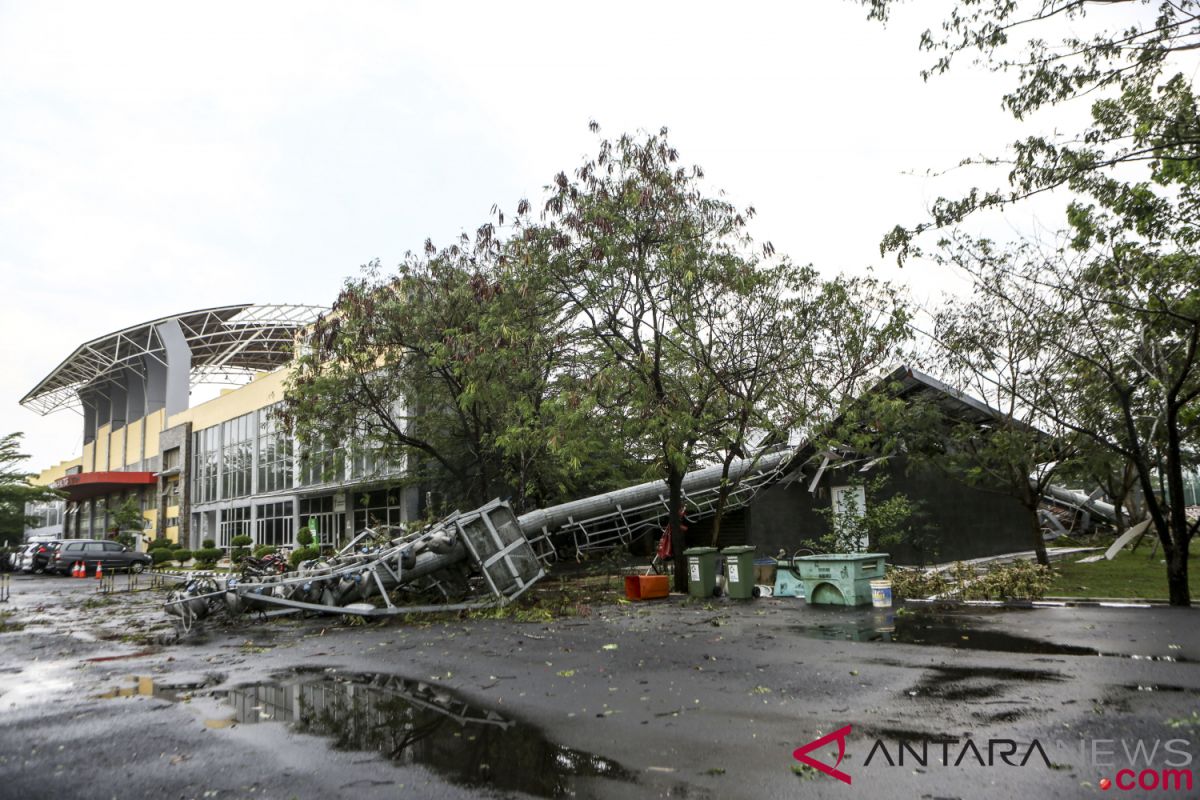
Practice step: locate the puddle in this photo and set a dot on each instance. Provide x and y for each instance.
(174, 690)
(952, 632)
(957, 684)
(37, 682)
(413, 722)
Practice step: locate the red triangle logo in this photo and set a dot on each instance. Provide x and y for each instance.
(800, 754)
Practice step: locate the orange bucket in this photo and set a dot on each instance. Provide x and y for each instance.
(647, 587)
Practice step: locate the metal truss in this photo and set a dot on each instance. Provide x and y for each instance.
(228, 344)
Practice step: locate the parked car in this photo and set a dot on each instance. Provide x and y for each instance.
(20, 557)
(38, 556)
(113, 556)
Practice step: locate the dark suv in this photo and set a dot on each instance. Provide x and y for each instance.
(113, 555)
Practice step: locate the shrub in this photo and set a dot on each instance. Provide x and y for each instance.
(303, 554)
(1024, 580)
(161, 555)
(264, 550)
(208, 544)
(180, 555)
(241, 547)
(175, 545)
(304, 537)
(916, 584)
(161, 543)
(207, 557)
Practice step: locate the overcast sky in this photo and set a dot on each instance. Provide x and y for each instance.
(158, 158)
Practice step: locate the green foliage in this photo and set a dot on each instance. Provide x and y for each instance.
(1116, 302)
(889, 519)
(916, 584)
(461, 362)
(208, 557)
(16, 490)
(208, 544)
(181, 555)
(304, 537)
(1143, 114)
(303, 554)
(127, 516)
(159, 543)
(265, 549)
(161, 555)
(1020, 580)
(239, 547)
(175, 545)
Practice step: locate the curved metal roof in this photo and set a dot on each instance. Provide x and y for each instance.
(228, 343)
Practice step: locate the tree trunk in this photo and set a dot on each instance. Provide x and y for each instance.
(1177, 577)
(678, 540)
(1177, 583)
(1039, 541)
(719, 512)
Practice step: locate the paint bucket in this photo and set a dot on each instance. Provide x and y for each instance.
(881, 594)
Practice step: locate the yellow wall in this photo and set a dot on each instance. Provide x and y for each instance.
(59, 470)
(116, 448)
(154, 424)
(133, 442)
(111, 451)
(259, 393)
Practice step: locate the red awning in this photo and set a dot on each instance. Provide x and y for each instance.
(84, 485)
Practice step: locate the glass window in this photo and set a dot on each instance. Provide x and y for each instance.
(111, 547)
(205, 450)
(274, 454)
(234, 522)
(329, 524)
(237, 456)
(276, 525)
(93, 547)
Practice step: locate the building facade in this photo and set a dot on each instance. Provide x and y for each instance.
(216, 470)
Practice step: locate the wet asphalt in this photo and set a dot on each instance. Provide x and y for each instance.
(664, 699)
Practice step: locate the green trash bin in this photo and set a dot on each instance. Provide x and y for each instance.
(739, 571)
(702, 571)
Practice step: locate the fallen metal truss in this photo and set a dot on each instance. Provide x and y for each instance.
(621, 517)
(481, 558)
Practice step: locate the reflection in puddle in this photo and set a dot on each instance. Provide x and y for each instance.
(939, 631)
(147, 686)
(416, 722)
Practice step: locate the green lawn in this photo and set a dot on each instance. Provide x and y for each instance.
(1133, 575)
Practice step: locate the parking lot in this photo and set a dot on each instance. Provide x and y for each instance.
(670, 698)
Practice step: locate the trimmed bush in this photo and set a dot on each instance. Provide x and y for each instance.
(161, 543)
(161, 555)
(265, 550)
(175, 546)
(207, 557)
(303, 554)
(240, 547)
(180, 555)
(304, 537)
(208, 544)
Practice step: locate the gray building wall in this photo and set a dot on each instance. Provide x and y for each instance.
(960, 521)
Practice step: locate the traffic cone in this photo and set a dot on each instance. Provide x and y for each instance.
(75, 570)
(99, 571)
